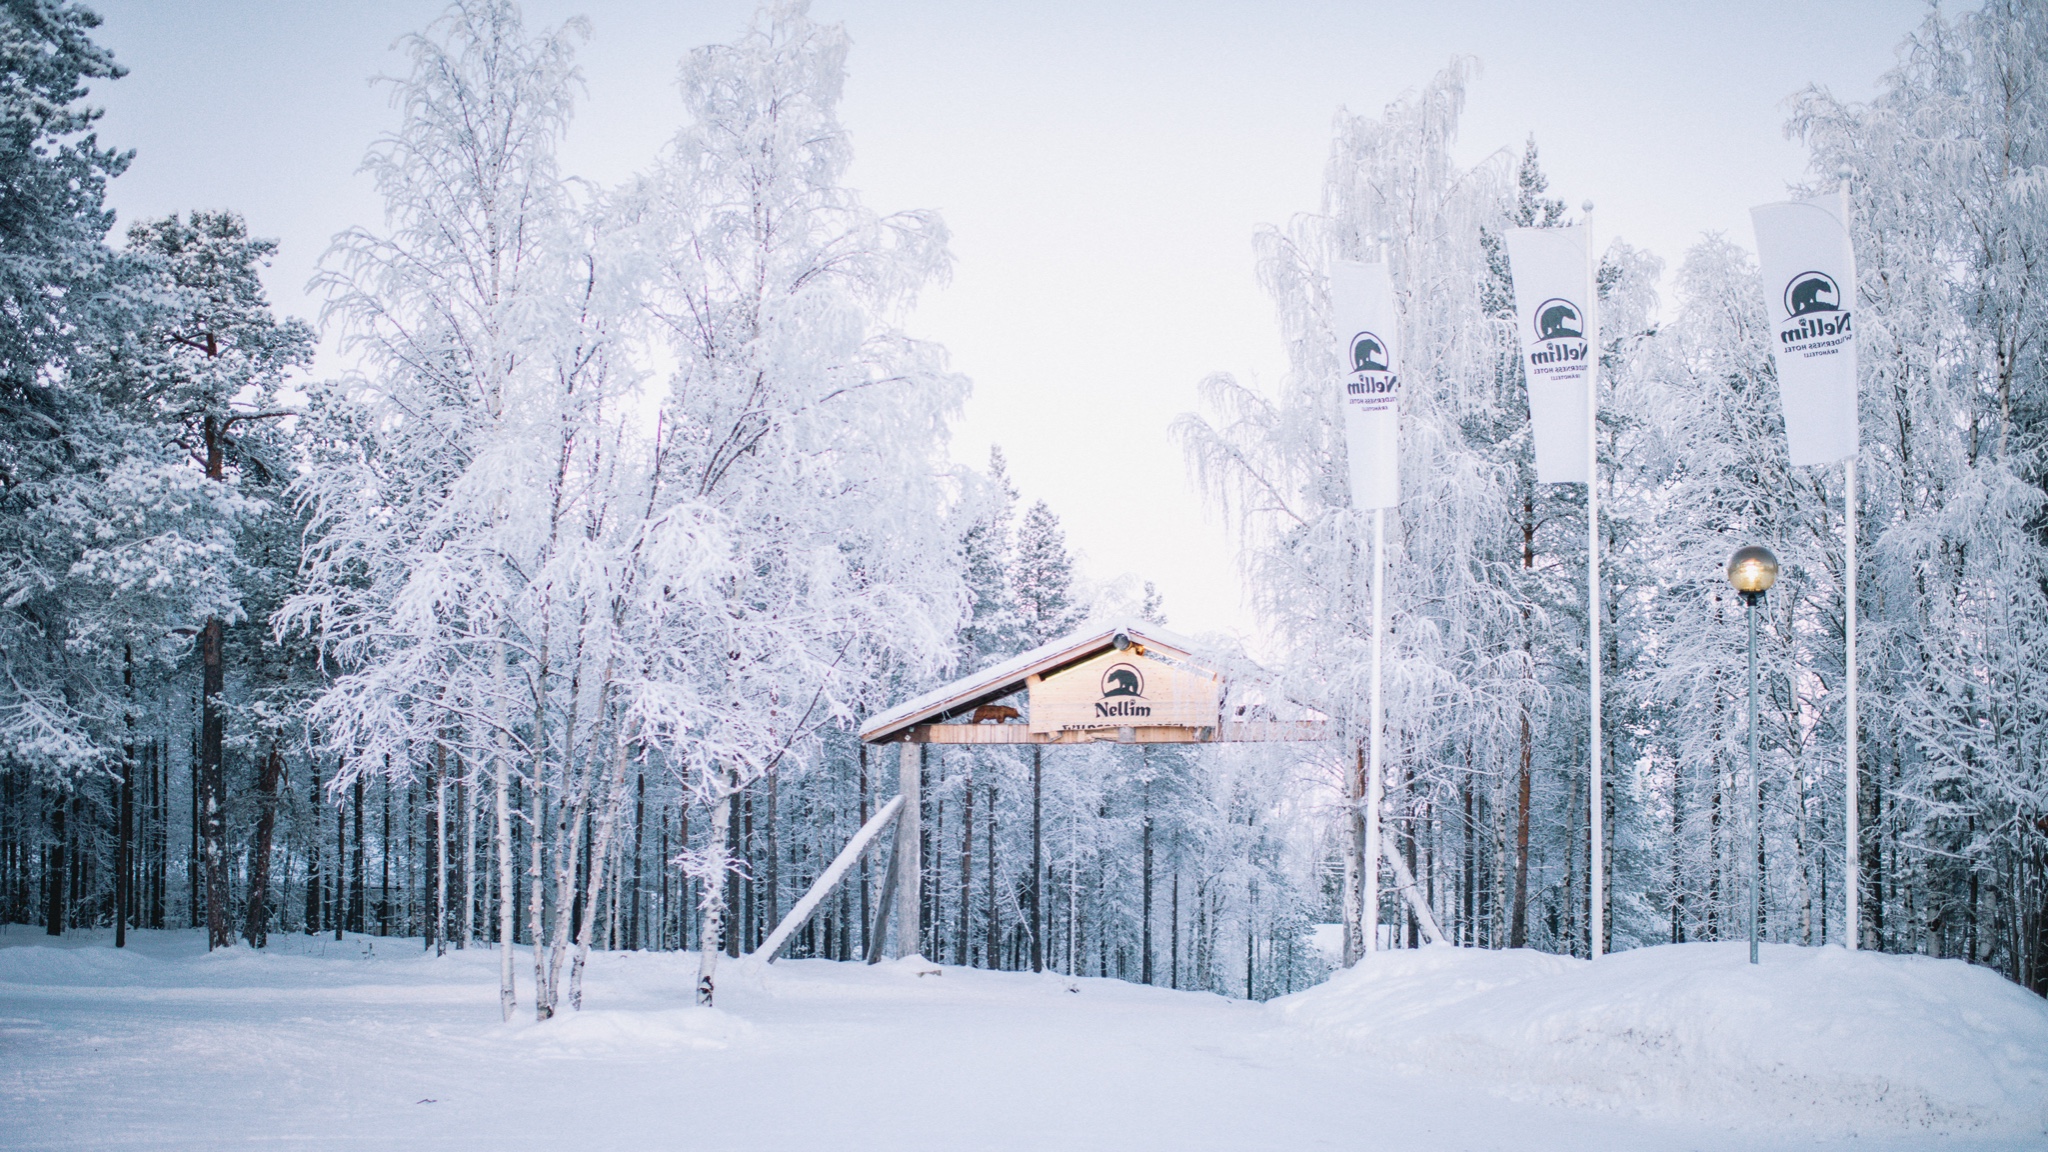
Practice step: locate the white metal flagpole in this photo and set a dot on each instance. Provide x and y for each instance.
(1596, 871)
(1852, 842)
(1369, 883)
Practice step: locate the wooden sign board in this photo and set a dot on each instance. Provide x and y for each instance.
(1123, 690)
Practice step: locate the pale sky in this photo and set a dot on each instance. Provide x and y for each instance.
(1102, 167)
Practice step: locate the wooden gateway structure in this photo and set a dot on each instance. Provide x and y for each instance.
(1126, 682)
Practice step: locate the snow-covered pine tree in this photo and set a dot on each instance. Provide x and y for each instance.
(992, 629)
(59, 290)
(1042, 577)
(208, 367)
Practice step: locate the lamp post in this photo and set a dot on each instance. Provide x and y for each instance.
(1752, 571)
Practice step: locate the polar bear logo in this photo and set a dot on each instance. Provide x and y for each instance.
(1812, 292)
(1368, 353)
(1559, 320)
(1122, 680)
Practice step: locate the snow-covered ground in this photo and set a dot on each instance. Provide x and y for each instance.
(370, 1044)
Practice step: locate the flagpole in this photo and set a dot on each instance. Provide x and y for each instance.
(1369, 882)
(1596, 871)
(1852, 840)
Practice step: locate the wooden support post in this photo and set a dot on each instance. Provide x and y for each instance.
(909, 890)
(879, 930)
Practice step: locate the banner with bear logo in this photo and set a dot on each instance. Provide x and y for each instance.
(1552, 298)
(1362, 304)
(1809, 277)
(1124, 690)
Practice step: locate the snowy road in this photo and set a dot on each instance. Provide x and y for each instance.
(355, 1045)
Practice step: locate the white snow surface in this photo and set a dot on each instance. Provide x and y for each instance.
(369, 1043)
(1822, 1040)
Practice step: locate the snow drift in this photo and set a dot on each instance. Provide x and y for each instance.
(1813, 1038)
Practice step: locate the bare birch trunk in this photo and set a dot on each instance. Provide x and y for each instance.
(571, 830)
(1518, 929)
(543, 994)
(502, 785)
(466, 800)
(607, 825)
(535, 900)
(569, 834)
(960, 948)
(714, 899)
(440, 853)
(1354, 861)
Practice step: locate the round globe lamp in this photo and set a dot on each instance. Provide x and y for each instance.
(1753, 570)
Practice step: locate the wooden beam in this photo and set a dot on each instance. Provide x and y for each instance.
(1268, 731)
(1242, 732)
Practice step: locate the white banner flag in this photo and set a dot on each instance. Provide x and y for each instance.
(1809, 274)
(1362, 299)
(1552, 294)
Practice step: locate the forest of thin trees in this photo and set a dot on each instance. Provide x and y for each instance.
(547, 622)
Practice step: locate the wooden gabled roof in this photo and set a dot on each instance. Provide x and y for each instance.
(1009, 677)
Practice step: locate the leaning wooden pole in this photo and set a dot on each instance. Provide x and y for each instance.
(834, 873)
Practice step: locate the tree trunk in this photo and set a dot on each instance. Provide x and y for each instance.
(337, 907)
(1037, 862)
(634, 932)
(1468, 931)
(359, 896)
(437, 854)
(54, 873)
(960, 956)
(1518, 924)
(607, 825)
(714, 903)
(990, 926)
(1145, 941)
(501, 788)
(571, 828)
(256, 924)
(466, 801)
(384, 876)
(1714, 858)
(212, 730)
(213, 787)
(193, 902)
(313, 881)
(771, 894)
(685, 892)
(1354, 861)
(1173, 932)
(731, 881)
(160, 789)
(124, 853)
